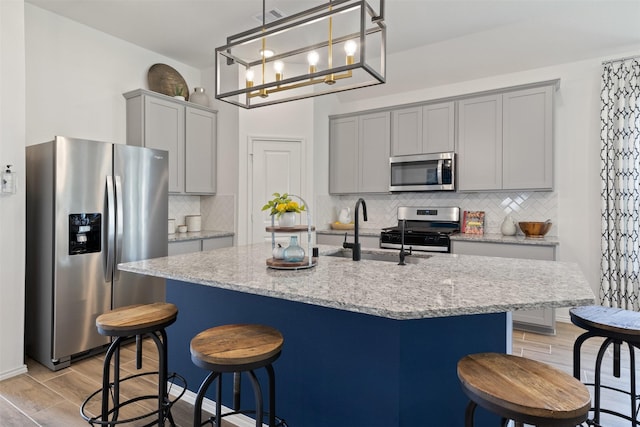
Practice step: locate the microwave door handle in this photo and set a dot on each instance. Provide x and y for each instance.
(440, 171)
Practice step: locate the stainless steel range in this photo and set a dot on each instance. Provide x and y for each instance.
(425, 229)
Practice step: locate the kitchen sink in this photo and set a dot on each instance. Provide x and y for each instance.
(380, 256)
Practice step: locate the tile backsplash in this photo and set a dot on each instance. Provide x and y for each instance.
(382, 208)
(181, 206)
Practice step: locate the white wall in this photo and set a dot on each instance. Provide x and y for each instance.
(12, 212)
(76, 77)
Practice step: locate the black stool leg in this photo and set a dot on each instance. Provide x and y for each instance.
(197, 417)
(598, 380)
(632, 390)
(258, 393)
(272, 395)
(468, 413)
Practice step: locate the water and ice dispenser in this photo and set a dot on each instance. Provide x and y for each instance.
(85, 233)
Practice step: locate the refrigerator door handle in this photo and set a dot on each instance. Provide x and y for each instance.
(111, 223)
(119, 227)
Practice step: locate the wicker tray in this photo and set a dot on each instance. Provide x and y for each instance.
(341, 226)
(164, 79)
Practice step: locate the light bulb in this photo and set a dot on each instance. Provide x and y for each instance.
(278, 66)
(249, 74)
(313, 58)
(350, 47)
(267, 53)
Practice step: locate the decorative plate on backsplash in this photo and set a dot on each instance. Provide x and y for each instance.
(166, 80)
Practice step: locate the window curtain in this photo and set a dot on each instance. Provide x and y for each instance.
(620, 154)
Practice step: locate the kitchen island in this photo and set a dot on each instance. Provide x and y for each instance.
(367, 343)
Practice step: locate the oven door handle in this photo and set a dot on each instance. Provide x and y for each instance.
(440, 162)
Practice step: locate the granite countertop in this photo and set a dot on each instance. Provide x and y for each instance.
(197, 235)
(499, 238)
(362, 231)
(439, 285)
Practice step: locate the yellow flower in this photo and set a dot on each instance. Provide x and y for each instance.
(281, 204)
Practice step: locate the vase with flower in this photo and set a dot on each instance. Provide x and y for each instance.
(284, 209)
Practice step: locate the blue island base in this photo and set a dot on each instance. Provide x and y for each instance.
(345, 369)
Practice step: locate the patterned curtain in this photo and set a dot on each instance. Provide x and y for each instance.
(620, 154)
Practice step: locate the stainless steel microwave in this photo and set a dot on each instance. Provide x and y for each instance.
(423, 172)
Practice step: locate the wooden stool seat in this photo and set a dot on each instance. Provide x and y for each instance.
(231, 348)
(136, 319)
(608, 321)
(523, 390)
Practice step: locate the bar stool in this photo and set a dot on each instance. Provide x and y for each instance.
(124, 323)
(522, 390)
(236, 349)
(617, 326)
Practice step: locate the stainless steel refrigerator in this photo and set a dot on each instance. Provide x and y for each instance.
(90, 206)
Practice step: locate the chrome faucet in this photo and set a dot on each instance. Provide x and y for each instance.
(355, 246)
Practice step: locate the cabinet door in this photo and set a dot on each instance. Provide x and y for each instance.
(343, 155)
(217, 243)
(527, 139)
(480, 143)
(374, 152)
(164, 129)
(438, 127)
(407, 131)
(200, 151)
(184, 247)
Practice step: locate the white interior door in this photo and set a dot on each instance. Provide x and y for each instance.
(277, 167)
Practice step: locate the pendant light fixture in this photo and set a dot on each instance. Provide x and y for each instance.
(330, 48)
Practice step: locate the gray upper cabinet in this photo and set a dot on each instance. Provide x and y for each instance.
(423, 129)
(200, 151)
(343, 155)
(527, 139)
(187, 131)
(505, 141)
(479, 159)
(359, 153)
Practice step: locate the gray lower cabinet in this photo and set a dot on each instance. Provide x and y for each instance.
(186, 130)
(359, 153)
(505, 141)
(338, 239)
(190, 246)
(541, 321)
(423, 129)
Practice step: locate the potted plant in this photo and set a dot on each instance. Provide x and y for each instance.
(284, 209)
(178, 92)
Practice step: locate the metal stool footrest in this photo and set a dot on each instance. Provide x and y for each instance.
(114, 411)
(212, 420)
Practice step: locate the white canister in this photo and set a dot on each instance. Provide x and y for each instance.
(194, 222)
(172, 226)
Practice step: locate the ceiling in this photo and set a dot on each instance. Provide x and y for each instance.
(510, 35)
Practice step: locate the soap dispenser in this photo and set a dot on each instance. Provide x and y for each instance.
(8, 181)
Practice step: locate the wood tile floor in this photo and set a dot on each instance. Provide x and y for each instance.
(45, 398)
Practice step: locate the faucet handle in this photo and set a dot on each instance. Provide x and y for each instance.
(345, 237)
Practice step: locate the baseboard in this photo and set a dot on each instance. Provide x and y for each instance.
(13, 372)
(208, 405)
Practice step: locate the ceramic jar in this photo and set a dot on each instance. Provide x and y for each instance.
(508, 227)
(287, 219)
(199, 97)
(293, 252)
